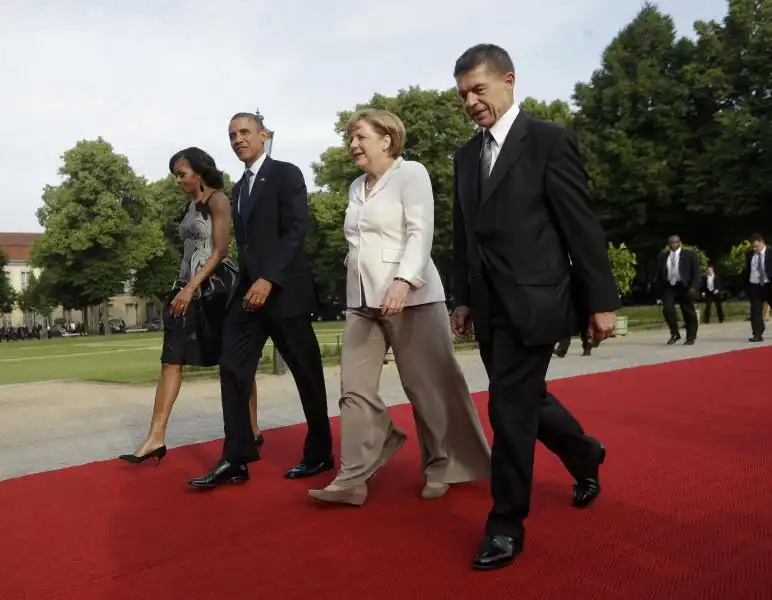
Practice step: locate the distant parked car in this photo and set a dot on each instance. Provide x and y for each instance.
(154, 324)
(117, 326)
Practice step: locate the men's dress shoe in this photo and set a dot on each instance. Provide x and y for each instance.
(223, 472)
(497, 551)
(690, 342)
(587, 488)
(673, 339)
(306, 468)
(755, 339)
(259, 441)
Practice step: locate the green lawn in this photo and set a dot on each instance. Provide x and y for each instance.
(134, 357)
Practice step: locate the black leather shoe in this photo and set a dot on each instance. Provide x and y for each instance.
(222, 473)
(306, 468)
(755, 339)
(673, 339)
(690, 342)
(587, 488)
(497, 551)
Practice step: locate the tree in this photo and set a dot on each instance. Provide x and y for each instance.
(623, 267)
(557, 111)
(98, 228)
(436, 127)
(631, 122)
(729, 174)
(37, 297)
(7, 293)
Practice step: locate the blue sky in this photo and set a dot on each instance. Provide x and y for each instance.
(152, 77)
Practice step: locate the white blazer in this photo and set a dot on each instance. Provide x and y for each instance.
(390, 235)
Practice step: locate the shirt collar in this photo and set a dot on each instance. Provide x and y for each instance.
(500, 128)
(256, 165)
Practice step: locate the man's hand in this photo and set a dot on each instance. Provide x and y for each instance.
(461, 322)
(601, 326)
(394, 301)
(257, 294)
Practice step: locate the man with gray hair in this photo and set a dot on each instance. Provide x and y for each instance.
(521, 208)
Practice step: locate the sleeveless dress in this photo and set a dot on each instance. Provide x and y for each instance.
(196, 337)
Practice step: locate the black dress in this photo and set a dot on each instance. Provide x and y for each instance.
(196, 337)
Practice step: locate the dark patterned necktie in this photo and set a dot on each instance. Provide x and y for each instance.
(244, 190)
(486, 156)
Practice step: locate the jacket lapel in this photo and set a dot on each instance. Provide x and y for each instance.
(514, 145)
(257, 188)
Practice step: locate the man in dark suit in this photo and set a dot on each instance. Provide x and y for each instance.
(712, 290)
(530, 260)
(678, 280)
(757, 277)
(275, 298)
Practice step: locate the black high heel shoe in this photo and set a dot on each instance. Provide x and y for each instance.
(158, 454)
(258, 444)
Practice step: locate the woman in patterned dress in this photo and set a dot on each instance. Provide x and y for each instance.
(195, 309)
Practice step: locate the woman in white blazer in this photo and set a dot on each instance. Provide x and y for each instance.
(395, 298)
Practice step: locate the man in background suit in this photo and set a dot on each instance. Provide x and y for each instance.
(712, 289)
(678, 279)
(275, 298)
(521, 209)
(757, 277)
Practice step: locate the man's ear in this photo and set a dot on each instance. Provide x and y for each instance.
(265, 135)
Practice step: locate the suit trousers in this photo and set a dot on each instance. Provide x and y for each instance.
(758, 295)
(452, 442)
(244, 337)
(521, 410)
(681, 295)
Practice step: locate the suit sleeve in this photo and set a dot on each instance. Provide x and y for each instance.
(568, 193)
(418, 208)
(293, 216)
(461, 291)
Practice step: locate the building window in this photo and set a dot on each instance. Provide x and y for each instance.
(24, 280)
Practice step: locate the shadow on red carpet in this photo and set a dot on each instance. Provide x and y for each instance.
(686, 512)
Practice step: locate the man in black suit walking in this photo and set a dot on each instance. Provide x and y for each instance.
(530, 264)
(712, 291)
(678, 279)
(758, 287)
(275, 298)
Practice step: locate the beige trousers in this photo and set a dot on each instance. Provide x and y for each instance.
(451, 438)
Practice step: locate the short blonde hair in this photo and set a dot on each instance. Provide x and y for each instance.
(384, 123)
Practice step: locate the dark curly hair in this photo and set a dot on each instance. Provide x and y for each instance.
(202, 164)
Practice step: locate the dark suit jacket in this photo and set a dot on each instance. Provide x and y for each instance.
(767, 266)
(532, 214)
(688, 267)
(270, 235)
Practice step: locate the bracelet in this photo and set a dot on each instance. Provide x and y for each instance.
(403, 280)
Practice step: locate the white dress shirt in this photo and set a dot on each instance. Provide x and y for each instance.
(252, 169)
(758, 275)
(499, 131)
(390, 234)
(673, 266)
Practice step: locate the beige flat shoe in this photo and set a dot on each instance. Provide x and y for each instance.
(355, 496)
(434, 490)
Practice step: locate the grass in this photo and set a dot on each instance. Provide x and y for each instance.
(134, 358)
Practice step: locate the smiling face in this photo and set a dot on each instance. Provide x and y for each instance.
(368, 148)
(185, 177)
(247, 139)
(486, 94)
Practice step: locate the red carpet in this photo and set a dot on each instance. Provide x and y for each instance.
(686, 513)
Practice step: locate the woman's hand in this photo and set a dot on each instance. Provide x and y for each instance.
(181, 301)
(394, 300)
